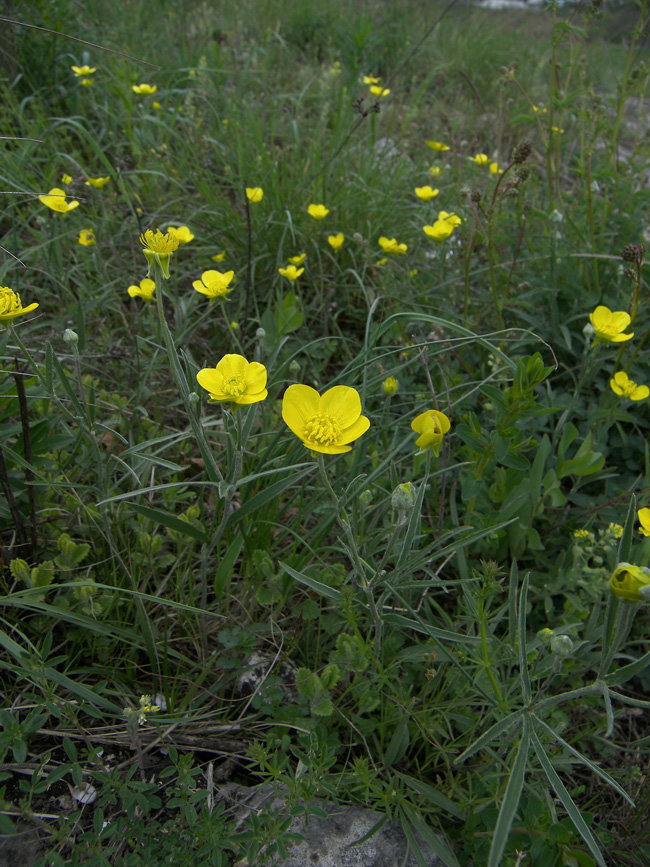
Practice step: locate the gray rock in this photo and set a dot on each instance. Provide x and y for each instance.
(329, 842)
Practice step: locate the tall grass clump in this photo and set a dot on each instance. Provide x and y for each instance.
(323, 447)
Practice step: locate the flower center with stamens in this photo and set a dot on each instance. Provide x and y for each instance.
(9, 300)
(234, 386)
(323, 429)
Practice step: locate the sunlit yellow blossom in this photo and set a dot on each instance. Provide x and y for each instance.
(97, 183)
(214, 284)
(495, 170)
(234, 325)
(622, 385)
(389, 386)
(377, 90)
(631, 583)
(87, 237)
(86, 82)
(440, 230)
(82, 71)
(291, 272)
(438, 146)
(182, 234)
(146, 707)
(66, 179)
(219, 257)
(254, 194)
(336, 241)
(324, 423)
(609, 326)
(390, 245)
(145, 290)
(453, 219)
(158, 248)
(644, 520)
(371, 79)
(297, 260)
(426, 193)
(55, 200)
(235, 380)
(434, 170)
(480, 159)
(318, 212)
(432, 426)
(11, 306)
(144, 89)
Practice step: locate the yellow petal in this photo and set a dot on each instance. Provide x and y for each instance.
(342, 403)
(300, 403)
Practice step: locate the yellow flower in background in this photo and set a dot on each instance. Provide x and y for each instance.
(254, 194)
(644, 520)
(97, 183)
(557, 130)
(371, 79)
(390, 245)
(55, 200)
(495, 170)
(66, 179)
(434, 170)
(291, 272)
(631, 583)
(336, 241)
(382, 261)
(83, 71)
(432, 426)
(324, 423)
(622, 385)
(145, 290)
(413, 273)
(235, 380)
(426, 193)
(11, 305)
(87, 238)
(616, 530)
(297, 260)
(214, 284)
(609, 326)
(440, 230)
(376, 90)
(438, 146)
(182, 234)
(318, 212)
(389, 386)
(144, 89)
(453, 219)
(480, 159)
(539, 108)
(158, 248)
(86, 82)
(156, 104)
(219, 257)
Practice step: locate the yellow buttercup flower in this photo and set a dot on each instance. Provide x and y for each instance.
(144, 89)
(390, 245)
(452, 219)
(145, 290)
(371, 79)
(382, 261)
(644, 520)
(539, 108)
(438, 146)
(66, 179)
(336, 241)
(495, 170)
(55, 200)
(609, 326)
(97, 183)
(426, 193)
(182, 234)
(376, 90)
(297, 260)
(87, 238)
(480, 159)
(432, 426)
(254, 194)
(159, 248)
(86, 82)
(557, 130)
(291, 272)
(440, 230)
(622, 385)
(214, 284)
(325, 423)
(235, 380)
(11, 305)
(434, 170)
(389, 386)
(318, 212)
(219, 257)
(83, 71)
(631, 583)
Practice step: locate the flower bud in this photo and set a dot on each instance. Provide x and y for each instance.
(631, 583)
(402, 500)
(70, 337)
(562, 646)
(545, 635)
(389, 386)
(555, 216)
(294, 367)
(260, 334)
(193, 397)
(365, 498)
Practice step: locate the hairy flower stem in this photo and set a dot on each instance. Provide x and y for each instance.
(353, 552)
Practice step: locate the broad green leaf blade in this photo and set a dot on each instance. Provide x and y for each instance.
(512, 605)
(323, 589)
(585, 761)
(567, 801)
(625, 545)
(512, 795)
(433, 796)
(171, 521)
(488, 736)
(622, 675)
(521, 638)
(413, 822)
